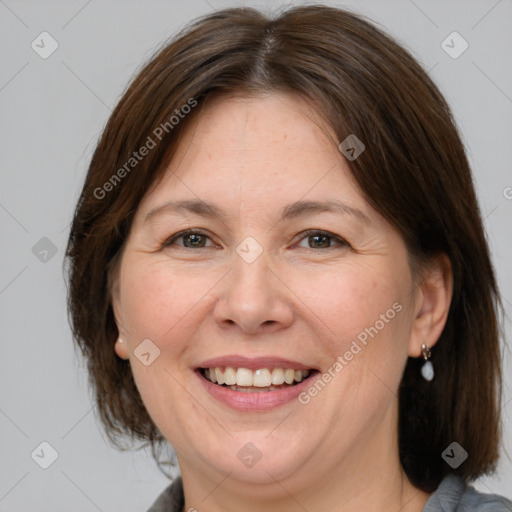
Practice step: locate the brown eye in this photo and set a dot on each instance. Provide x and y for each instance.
(319, 241)
(188, 240)
(194, 240)
(322, 240)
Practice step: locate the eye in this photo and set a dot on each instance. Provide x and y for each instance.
(318, 239)
(190, 240)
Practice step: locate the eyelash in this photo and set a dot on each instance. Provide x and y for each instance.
(305, 234)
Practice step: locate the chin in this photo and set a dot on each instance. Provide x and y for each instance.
(256, 459)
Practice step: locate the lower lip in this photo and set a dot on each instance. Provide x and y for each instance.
(259, 400)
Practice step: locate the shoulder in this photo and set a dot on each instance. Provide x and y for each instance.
(453, 495)
(171, 499)
(483, 502)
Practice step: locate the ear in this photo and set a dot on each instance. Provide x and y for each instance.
(432, 304)
(120, 346)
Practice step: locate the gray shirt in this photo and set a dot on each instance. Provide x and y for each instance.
(452, 495)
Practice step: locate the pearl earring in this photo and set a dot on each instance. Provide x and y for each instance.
(427, 370)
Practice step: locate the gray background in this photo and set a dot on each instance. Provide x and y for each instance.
(52, 112)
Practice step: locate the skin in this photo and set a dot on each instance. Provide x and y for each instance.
(303, 298)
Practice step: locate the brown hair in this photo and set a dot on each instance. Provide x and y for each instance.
(414, 171)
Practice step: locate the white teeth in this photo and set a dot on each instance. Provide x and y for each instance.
(289, 375)
(277, 376)
(243, 377)
(262, 378)
(219, 375)
(230, 376)
(234, 378)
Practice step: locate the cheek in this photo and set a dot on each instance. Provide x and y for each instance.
(353, 303)
(161, 305)
(156, 299)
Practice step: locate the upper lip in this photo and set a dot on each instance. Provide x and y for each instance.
(255, 363)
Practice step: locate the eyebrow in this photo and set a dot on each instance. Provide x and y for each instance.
(289, 212)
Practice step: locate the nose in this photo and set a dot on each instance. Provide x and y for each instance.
(253, 298)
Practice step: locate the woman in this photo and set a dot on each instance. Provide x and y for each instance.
(278, 266)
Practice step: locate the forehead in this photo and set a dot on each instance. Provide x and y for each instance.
(256, 151)
(272, 117)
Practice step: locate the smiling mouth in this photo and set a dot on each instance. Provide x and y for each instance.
(257, 381)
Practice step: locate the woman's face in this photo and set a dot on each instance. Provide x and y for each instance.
(288, 268)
